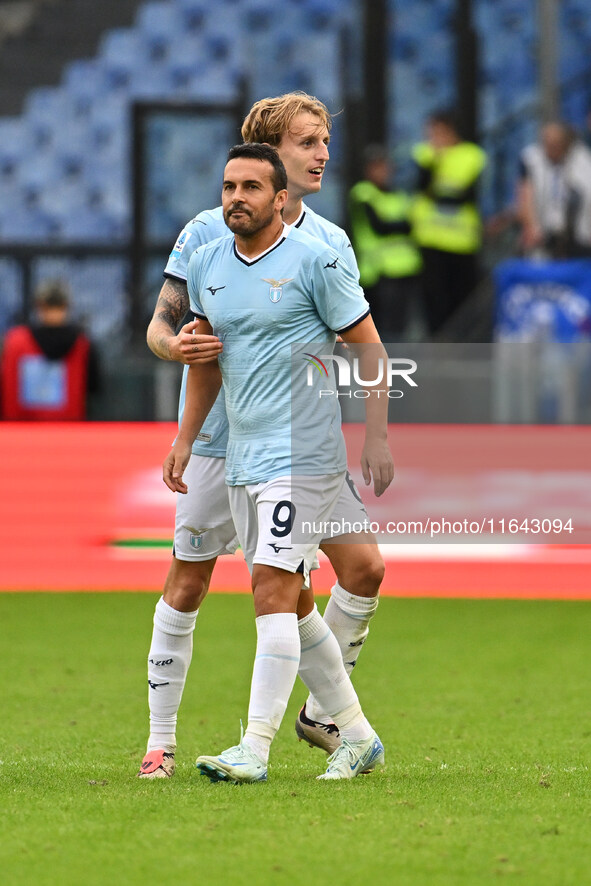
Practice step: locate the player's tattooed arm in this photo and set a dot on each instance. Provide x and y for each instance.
(186, 345)
(171, 307)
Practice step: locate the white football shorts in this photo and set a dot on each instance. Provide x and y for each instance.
(280, 523)
(349, 517)
(204, 527)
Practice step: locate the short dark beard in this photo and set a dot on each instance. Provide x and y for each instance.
(245, 235)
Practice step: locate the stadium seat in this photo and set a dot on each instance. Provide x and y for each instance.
(159, 18)
(10, 292)
(89, 223)
(220, 85)
(84, 81)
(193, 49)
(123, 45)
(29, 224)
(49, 105)
(15, 143)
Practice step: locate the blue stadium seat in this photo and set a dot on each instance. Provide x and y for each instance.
(29, 224)
(258, 17)
(158, 18)
(49, 105)
(10, 292)
(123, 45)
(44, 170)
(151, 82)
(187, 59)
(62, 197)
(220, 85)
(84, 81)
(326, 15)
(91, 224)
(15, 143)
(194, 49)
(324, 80)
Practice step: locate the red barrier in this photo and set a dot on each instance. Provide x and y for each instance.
(83, 507)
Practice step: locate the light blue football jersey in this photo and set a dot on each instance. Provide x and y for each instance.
(270, 313)
(208, 226)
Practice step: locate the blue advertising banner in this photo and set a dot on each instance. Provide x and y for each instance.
(543, 301)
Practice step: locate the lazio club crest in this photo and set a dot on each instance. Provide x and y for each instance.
(196, 537)
(276, 290)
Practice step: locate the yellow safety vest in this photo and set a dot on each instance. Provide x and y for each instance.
(381, 255)
(451, 228)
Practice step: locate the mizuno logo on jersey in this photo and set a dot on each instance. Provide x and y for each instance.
(277, 548)
(276, 290)
(214, 289)
(332, 265)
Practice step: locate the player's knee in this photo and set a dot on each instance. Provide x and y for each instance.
(274, 590)
(363, 573)
(187, 584)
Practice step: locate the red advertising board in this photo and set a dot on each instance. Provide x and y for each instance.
(83, 507)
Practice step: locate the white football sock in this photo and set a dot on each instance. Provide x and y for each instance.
(168, 662)
(348, 616)
(323, 672)
(274, 672)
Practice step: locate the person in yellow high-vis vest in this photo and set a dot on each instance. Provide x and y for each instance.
(389, 261)
(446, 220)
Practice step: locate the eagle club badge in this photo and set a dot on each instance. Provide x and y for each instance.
(196, 537)
(276, 290)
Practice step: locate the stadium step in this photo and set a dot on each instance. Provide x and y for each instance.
(60, 32)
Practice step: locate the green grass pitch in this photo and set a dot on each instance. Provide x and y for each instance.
(483, 708)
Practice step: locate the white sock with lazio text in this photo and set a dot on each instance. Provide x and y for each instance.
(348, 616)
(168, 662)
(323, 672)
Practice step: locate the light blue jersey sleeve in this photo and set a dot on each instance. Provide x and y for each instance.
(338, 297)
(317, 226)
(193, 284)
(207, 226)
(204, 228)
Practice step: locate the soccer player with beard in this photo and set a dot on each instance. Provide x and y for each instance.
(283, 483)
(298, 126)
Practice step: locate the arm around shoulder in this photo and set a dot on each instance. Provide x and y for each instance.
(191, 344)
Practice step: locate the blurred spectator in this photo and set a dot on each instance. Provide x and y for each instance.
(389, 261)
(50, 366)
(446, 220)
(554, 195)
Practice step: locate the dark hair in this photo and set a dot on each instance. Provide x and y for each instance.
(52, 294)
(265, 153)
(375, 153)
(448, 117)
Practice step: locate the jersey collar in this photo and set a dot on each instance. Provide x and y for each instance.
(251, 261)
(299, 219)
